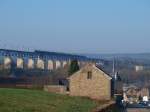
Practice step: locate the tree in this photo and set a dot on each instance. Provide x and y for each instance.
(140, 98)
(74, 67)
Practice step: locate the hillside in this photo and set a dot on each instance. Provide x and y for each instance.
(21, 100)
(138, 56)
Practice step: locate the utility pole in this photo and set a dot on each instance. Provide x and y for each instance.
(113, 69)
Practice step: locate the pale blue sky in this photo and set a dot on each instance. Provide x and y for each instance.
(79, 26)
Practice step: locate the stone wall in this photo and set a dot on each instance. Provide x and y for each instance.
(55, 89)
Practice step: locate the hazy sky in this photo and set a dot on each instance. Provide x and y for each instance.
(80, 26)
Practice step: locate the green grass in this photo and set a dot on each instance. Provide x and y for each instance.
(22, 100)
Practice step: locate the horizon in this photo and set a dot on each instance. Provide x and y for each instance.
(75, 53)
(95, 27)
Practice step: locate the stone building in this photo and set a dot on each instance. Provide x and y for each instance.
(133, 93)
(143, 92)
(139, 68)
(91, 82)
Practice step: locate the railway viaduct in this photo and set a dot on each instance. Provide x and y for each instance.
(38, 59)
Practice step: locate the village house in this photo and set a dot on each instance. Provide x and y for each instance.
(134, 94)
(92, 82)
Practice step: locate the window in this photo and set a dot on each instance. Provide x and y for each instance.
(89, 75)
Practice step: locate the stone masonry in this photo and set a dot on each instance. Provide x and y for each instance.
(90, 82)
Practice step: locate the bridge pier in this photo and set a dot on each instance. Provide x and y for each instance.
(45, 65)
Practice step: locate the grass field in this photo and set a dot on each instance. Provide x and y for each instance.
(22, 100)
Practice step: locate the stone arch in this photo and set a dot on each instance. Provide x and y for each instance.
(20, 63)
(50, 65)
(40, 64)
(58, 64)
(64, 63)
(30, 64)
(7, 62)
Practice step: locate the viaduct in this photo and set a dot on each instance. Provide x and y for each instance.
(38, 59)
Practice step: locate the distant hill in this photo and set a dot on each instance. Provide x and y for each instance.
(141, 56)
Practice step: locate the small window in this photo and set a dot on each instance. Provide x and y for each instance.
(89, 75)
